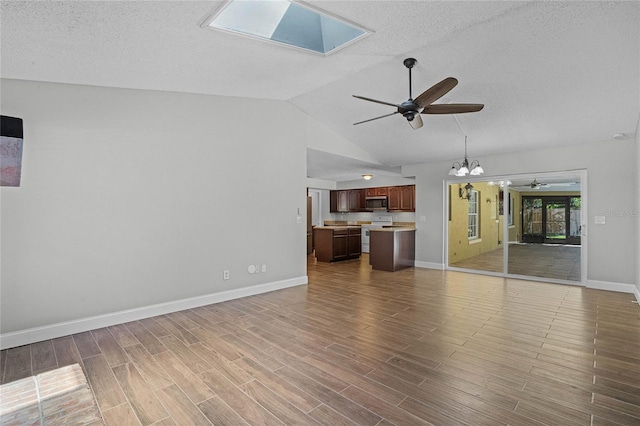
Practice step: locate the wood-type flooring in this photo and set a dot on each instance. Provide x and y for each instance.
(555, 261)
(363, 347)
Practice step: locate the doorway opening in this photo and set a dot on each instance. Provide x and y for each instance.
(314, 215)
(551, 219)
(520, 226)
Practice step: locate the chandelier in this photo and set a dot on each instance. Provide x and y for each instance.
(473, 169)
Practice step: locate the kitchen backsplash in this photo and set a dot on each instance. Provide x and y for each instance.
(366, 217)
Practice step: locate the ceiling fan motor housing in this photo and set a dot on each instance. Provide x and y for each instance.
(409, 109)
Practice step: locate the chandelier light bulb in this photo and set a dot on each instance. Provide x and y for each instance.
(462, 169)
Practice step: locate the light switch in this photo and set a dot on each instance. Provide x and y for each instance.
(600, 220)
(298, 219)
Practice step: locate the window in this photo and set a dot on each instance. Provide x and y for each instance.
(288, 23)
(473, 215)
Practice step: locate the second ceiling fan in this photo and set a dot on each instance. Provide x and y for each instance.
(423, 104)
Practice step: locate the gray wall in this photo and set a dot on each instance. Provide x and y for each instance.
(637, 262)
(611, 187)
(131, 198)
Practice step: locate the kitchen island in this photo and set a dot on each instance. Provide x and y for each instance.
(335, 243)
(392, 249)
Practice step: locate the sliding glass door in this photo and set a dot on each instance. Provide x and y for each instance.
(522, 226)
(551, 219)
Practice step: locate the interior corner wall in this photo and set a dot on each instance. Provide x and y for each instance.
(611, 175)
(131, 198)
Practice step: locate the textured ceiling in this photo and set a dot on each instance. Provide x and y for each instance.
(549, 73)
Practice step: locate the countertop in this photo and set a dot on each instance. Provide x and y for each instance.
(338, 227)
(355, 223)
(393, 229)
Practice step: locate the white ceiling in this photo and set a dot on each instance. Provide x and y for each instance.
(549, 73)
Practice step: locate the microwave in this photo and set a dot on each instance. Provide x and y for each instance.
(375, 203)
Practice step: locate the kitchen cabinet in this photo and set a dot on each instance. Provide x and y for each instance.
(354, 242)
(376, 192)
(339, 201)
(394, 198)
(356, 200)
(333, 244)
(392, 249)
(347, 200)
(402, 198)
(407, 197)
(340, 243)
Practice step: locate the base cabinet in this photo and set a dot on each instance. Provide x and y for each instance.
(335, 244)
(392, 250)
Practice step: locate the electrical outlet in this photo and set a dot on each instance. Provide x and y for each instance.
(225, 274)
(264, 268)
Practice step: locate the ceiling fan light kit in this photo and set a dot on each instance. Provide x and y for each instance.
(464, 168)
(423, 104)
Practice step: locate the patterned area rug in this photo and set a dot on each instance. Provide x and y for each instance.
(58, 397)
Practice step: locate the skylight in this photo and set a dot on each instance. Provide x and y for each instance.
(286, 22)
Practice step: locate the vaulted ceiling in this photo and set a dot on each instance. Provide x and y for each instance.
(549, 73)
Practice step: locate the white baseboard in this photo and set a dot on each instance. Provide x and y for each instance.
(429, 265)
(619, 287)
(636, 292)
(38, 334)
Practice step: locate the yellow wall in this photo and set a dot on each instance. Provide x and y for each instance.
(515, 230)
(460, 247)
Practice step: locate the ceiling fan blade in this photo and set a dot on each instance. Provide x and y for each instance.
(371, 119)
(416, 123)
(376, 101)
(452, 108)
(435, 92)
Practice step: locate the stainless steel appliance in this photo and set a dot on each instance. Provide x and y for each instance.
(376, 203)
(377, 221)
